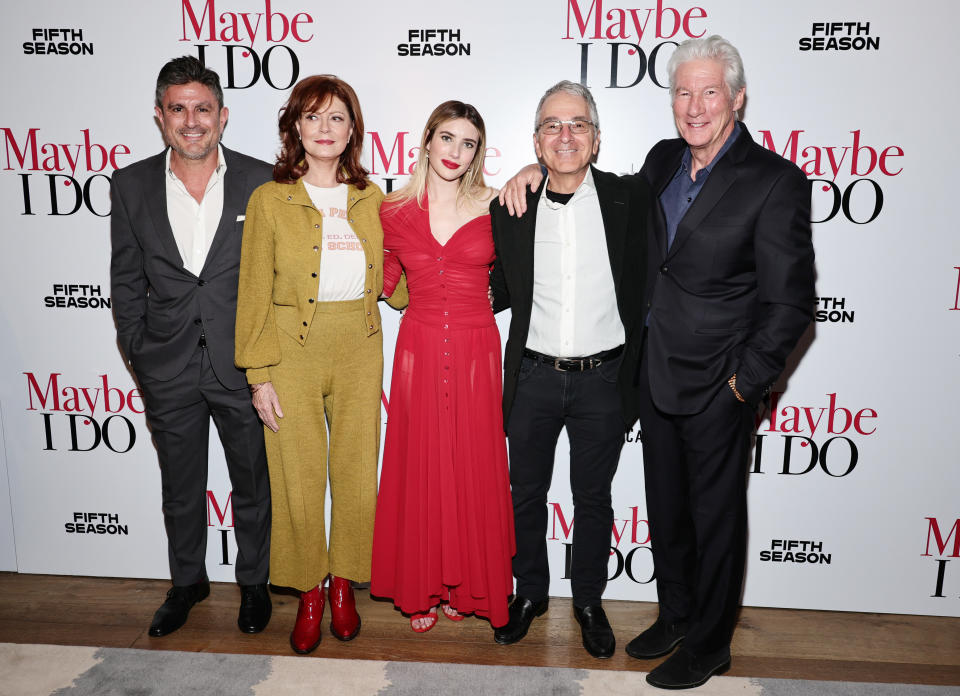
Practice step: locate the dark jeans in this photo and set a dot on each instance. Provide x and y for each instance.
(588, 405)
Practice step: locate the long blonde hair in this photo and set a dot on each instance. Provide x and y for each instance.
(471, 183)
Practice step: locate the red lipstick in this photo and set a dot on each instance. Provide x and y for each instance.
(450, 165)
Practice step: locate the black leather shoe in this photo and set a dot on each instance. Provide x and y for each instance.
(255, 608)
(172, 614)
(522, 613)
(595, 631)
(659, 639)
(682, 670)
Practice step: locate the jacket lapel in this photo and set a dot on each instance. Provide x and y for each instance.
(155, 195)
(526, 234)
(664, 176)
(721, 178)
(613, 210)
(234, 184)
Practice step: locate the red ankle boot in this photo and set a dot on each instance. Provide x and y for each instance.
(306, 632)
(345, 624)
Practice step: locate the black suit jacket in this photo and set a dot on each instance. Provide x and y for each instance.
(162, 309)
(735, 291)
(625, 207)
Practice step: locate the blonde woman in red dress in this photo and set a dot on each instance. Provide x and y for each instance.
(443, 536)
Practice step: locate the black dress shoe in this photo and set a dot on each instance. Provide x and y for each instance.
(595, 631)
(255, 608)
(172, 614)
(659, 639)
(522, 613)
(683, 670)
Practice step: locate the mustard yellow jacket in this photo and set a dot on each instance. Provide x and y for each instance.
(279, 264)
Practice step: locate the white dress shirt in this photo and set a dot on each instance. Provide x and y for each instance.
(195, 224)
(574, 310)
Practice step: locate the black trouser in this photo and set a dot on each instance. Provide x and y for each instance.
(695, 472)
(588, 405)
(178, 412)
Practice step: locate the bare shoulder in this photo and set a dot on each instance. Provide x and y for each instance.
(484, 197)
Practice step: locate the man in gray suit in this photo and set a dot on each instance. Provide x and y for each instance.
(176, 227)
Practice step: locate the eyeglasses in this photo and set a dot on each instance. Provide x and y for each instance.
(577, 127)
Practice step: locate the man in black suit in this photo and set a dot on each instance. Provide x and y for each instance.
(176, 227)
(730, 292)
(571, 271)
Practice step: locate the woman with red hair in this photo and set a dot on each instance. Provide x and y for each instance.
(308, 335)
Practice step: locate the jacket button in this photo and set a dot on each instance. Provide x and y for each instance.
(371, 326)
(313, 275)
(316, 248)
(369, 265)
(316, 227)
(301, 337)
(368, 291)
(290, 198)
(310, 300)
(368, 314)
(201, 282)
(304, 323)
(663, 268)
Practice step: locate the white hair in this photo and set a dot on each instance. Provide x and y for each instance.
(711, 48)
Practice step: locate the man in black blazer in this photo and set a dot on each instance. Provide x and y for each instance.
(730, 292)
(571, 271)
(176, 227)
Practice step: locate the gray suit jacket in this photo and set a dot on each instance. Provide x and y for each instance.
(162, 309)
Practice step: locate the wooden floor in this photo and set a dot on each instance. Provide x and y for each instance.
(775, 643)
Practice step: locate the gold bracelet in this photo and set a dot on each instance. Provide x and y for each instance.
(733, 385)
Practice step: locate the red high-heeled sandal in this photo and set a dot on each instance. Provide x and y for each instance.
(430, 617)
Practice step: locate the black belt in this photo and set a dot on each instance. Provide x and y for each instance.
(587, 362)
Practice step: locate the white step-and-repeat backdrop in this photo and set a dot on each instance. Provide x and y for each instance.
(855, 478)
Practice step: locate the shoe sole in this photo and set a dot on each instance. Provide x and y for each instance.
(161, 634)
(652, 655)
(346, 638)
(691, 685)
(307, 651)
(522, 635)
(592, 653)
(599, 655)
(252, 629)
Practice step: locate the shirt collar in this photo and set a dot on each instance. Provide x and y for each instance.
(218, 172)
(586, 187)
(687, 156)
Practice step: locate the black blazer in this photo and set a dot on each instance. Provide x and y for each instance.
(161, 309)
(735, 291)
(625, 208)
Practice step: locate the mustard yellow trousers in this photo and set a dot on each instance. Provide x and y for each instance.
(329, 390)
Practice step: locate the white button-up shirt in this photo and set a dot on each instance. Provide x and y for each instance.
(195, 224)
(574, 310)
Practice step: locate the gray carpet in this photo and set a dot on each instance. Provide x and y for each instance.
(45, 670)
